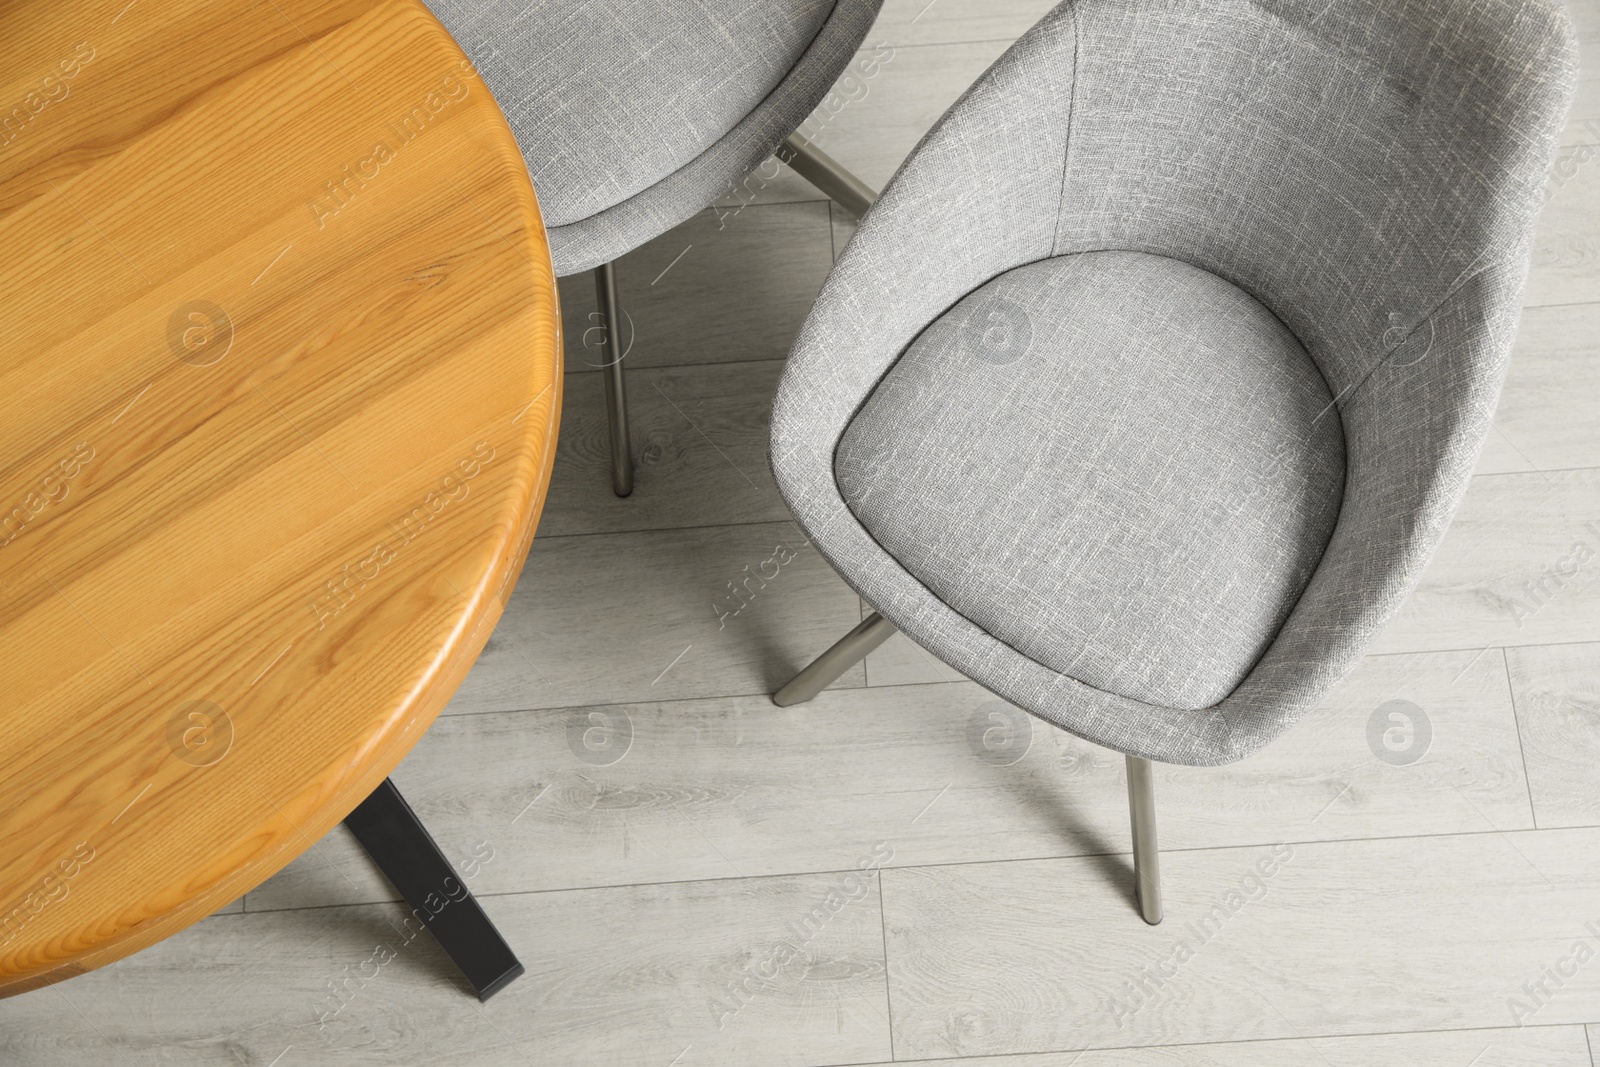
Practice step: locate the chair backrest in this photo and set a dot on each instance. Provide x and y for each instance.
(1355, 165)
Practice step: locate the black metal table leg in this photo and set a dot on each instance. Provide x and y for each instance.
(396, 839)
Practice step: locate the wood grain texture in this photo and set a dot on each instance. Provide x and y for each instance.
(729, 285)
(919, 22)
(1549, 413)
(278, 399)
(700, 445)
(1566, 246)
(1557, 689)
(1341, 938)
(1519, 566)
(1583, 123)
(892, 95)
(620, 978)
(662, 615)
(1531, 1046)
(682, 790)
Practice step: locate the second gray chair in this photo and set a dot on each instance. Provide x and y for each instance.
(635, 114)
(1149, 387)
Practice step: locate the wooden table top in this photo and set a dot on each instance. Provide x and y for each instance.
(279, 387)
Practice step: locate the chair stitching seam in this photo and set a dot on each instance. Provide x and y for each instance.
(1066, 154)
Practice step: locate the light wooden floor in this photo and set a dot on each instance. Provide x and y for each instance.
(661, 838)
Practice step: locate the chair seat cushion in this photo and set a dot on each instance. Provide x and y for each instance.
(1120, 465)
(607, 97)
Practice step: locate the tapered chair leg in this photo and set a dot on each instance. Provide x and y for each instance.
(827, 668)
(605, 291)
(398, 842)
(1146, 857)
(823, 171)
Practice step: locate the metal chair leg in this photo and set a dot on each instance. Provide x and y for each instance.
(605, 290)
(396, 839)
(827, 668)
(823, 171)
(1146, 857)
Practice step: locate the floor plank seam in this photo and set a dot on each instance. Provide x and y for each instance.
(718, 363)
(888, 993)
(658, 529)
(947, 865)
(1522, 749)
(1035, 1053)
(1536, 470)
(885, 687)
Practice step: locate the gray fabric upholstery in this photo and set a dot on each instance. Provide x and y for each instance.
(635, 114)
(1118, 464)
(1369, 172)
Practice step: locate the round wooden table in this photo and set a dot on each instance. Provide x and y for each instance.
(279, 387)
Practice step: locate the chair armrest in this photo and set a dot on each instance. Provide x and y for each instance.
(978, 197)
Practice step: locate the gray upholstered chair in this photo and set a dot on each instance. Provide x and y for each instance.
(635, 114)
(1150, 385)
